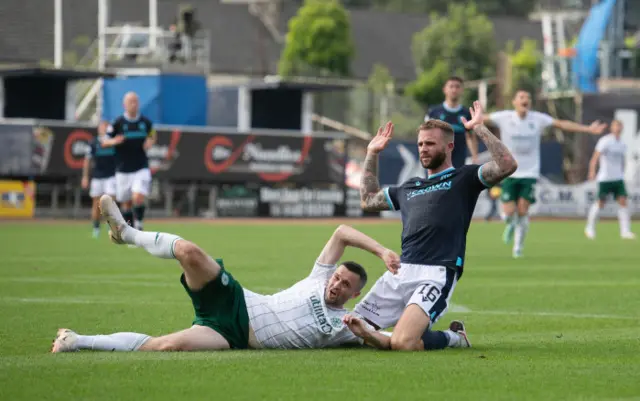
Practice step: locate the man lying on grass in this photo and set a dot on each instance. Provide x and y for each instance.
(307, 315)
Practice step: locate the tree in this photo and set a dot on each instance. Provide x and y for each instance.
(427, 89)
(515, 8)
(525, 67)
(319, 41)
(460, 43)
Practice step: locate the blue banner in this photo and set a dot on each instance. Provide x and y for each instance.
(168, 99)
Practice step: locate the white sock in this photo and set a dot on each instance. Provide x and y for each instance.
(625, 220)
(592, 218)
(157, 244)
(454, 338)
(511, 220)
(113, 342)
(522, 227)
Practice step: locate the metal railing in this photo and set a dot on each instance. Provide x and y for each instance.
(133, 48)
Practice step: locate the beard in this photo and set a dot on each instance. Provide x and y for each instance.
(435, 162)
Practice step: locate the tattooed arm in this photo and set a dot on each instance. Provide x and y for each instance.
(372, 197)
(502, 163)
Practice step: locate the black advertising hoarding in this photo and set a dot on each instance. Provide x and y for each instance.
(180, 155)
(302, 201)
(237, 200)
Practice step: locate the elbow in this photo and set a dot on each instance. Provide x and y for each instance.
(512, 166)
(340, 230)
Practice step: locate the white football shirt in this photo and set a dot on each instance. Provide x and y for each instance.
(298, 316)
(522, 137)
(612, 151)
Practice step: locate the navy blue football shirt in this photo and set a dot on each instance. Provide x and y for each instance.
(436, 213)
(453, 117)
(104, 162)
(130, 154)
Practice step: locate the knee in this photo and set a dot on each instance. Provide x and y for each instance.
(169, 345)
(188, 253)
(401, 342)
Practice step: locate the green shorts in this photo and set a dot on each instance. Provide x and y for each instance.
(516, 188)
(220, 305)
(616, 188)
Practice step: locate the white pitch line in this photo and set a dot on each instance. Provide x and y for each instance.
(463, 309)
(86, 301)
(453, 309)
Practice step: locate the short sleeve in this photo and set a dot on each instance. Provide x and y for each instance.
(321, 271)
(151, 132)
(601, 145)
(473, 176)
(544, 119)
(391, 196)
(91, 149)
(499, 117)
(111, 131)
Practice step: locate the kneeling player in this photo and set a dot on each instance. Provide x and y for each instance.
(310, 314)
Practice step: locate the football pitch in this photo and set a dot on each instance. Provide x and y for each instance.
(561, 324)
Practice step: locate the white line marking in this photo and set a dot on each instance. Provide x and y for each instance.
(463, 309)
(88, 301)
(171, 282)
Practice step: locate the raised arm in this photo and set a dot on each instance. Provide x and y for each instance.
(502, 163)
(472, 144)
(596, 127)
(345, 236)
(372, 198)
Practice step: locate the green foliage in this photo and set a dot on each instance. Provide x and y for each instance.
(525, 67)
(461, 43)
(427, 88)
(380, 79)
(520, 8)
(319, 41)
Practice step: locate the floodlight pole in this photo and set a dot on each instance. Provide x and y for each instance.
(103, 18)
(153, 23)
(57, 34)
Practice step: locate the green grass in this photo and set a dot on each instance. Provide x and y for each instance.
(560, 324)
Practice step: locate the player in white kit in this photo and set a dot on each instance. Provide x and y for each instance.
(521, 131)
(310, 314)
(609, 155)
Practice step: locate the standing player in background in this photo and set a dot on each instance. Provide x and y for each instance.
(609, 155)
(436, 213)
(521, 131)
(99, 162)
(452, 111)
(132, 134)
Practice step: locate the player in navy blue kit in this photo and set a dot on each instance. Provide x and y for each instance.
(452, 112)
(131, 135)
(100, 164)
(436, 212)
